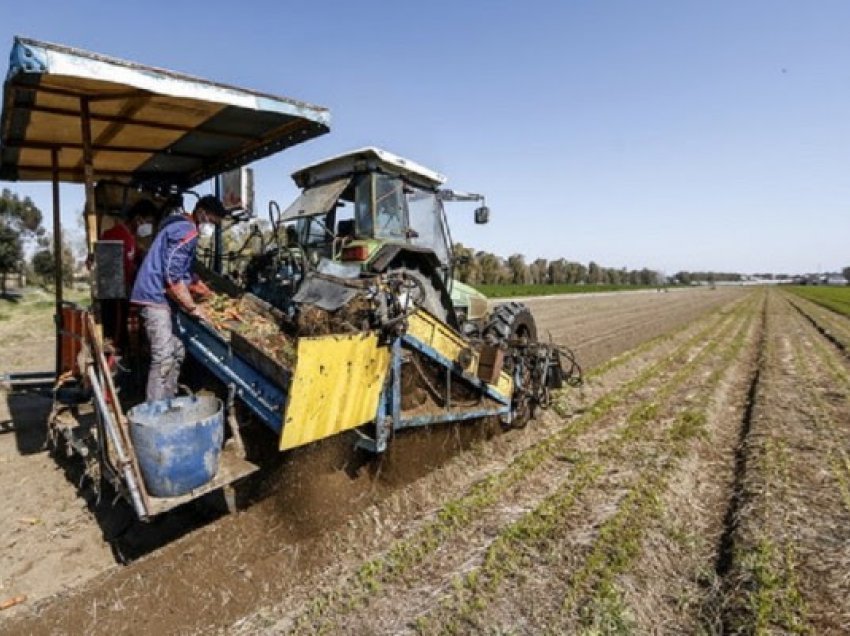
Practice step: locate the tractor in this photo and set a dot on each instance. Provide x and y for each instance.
(372, 212)
(348, 323)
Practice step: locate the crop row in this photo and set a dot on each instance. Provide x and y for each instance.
(526, 538)
(789, 505)
(767, 566)
(835, 327)
(835, 298)
(460, 512)
(838, 460)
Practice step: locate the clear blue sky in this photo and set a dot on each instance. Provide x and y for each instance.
(674, 135)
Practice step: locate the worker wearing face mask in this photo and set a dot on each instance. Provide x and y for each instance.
(137, 224)
(163, 284)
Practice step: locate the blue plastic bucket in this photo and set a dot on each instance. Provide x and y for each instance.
(178, 442)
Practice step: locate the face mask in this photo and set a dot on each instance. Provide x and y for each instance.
(144, 230)
(206, 230)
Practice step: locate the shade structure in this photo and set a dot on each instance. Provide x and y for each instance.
(147, 125)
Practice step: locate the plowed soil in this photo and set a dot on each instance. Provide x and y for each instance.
(698, 482)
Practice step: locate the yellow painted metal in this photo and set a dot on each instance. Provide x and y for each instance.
(335, 387)
(505, 385)
(442, 338)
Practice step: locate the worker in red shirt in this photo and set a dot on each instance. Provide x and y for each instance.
(138, 224)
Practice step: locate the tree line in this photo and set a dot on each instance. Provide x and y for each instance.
(483, 268)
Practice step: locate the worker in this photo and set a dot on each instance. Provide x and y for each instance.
(163, 283)
(138, 224)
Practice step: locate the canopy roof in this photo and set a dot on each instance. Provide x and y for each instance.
(148, 125)
(367, 159)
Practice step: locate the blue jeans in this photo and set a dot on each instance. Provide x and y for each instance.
(167, 352)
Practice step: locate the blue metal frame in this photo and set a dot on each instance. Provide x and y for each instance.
(268, 400)
(450, 413)
(261, 395)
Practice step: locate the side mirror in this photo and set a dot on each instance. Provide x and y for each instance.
(482, 215)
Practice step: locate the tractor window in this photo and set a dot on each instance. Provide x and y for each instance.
(315, 200)
(390, 207)
(315, 230)
(426, 220)
(363, 207)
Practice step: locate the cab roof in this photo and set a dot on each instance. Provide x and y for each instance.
(147, 124)
(366, 159)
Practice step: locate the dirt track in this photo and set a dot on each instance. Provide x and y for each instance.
(638, 492)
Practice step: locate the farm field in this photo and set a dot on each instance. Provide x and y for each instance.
(698, 482)
(835, 298)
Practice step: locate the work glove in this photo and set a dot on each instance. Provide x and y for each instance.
(199, 290)
(180, 294)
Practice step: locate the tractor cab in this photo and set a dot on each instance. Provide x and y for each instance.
(376, 211)
(355, 204)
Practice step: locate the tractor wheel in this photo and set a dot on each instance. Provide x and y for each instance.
(422, 292)
(511, 321)
(508, 325)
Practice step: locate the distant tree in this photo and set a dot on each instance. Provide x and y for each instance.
(613, 276)
(20, 222)
(594, 273)
(518, 269)
(558, 272)
(539, 270)
(11, 253)
(467, 268)
(44, 265)
(580, 272)
(490, 266)
(647, 277)
(846, 273)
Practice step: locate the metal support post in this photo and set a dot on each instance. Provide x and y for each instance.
(218, 242)
(57, 258)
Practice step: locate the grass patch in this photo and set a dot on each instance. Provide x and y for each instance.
(36, 301)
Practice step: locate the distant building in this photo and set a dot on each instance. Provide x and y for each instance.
(834, 279)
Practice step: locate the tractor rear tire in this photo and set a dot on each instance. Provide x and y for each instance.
(511, 321)
(426, 295)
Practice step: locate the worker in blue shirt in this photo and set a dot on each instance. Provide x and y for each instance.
(163, 282)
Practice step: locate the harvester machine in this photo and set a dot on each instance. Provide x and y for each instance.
(347, 319)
